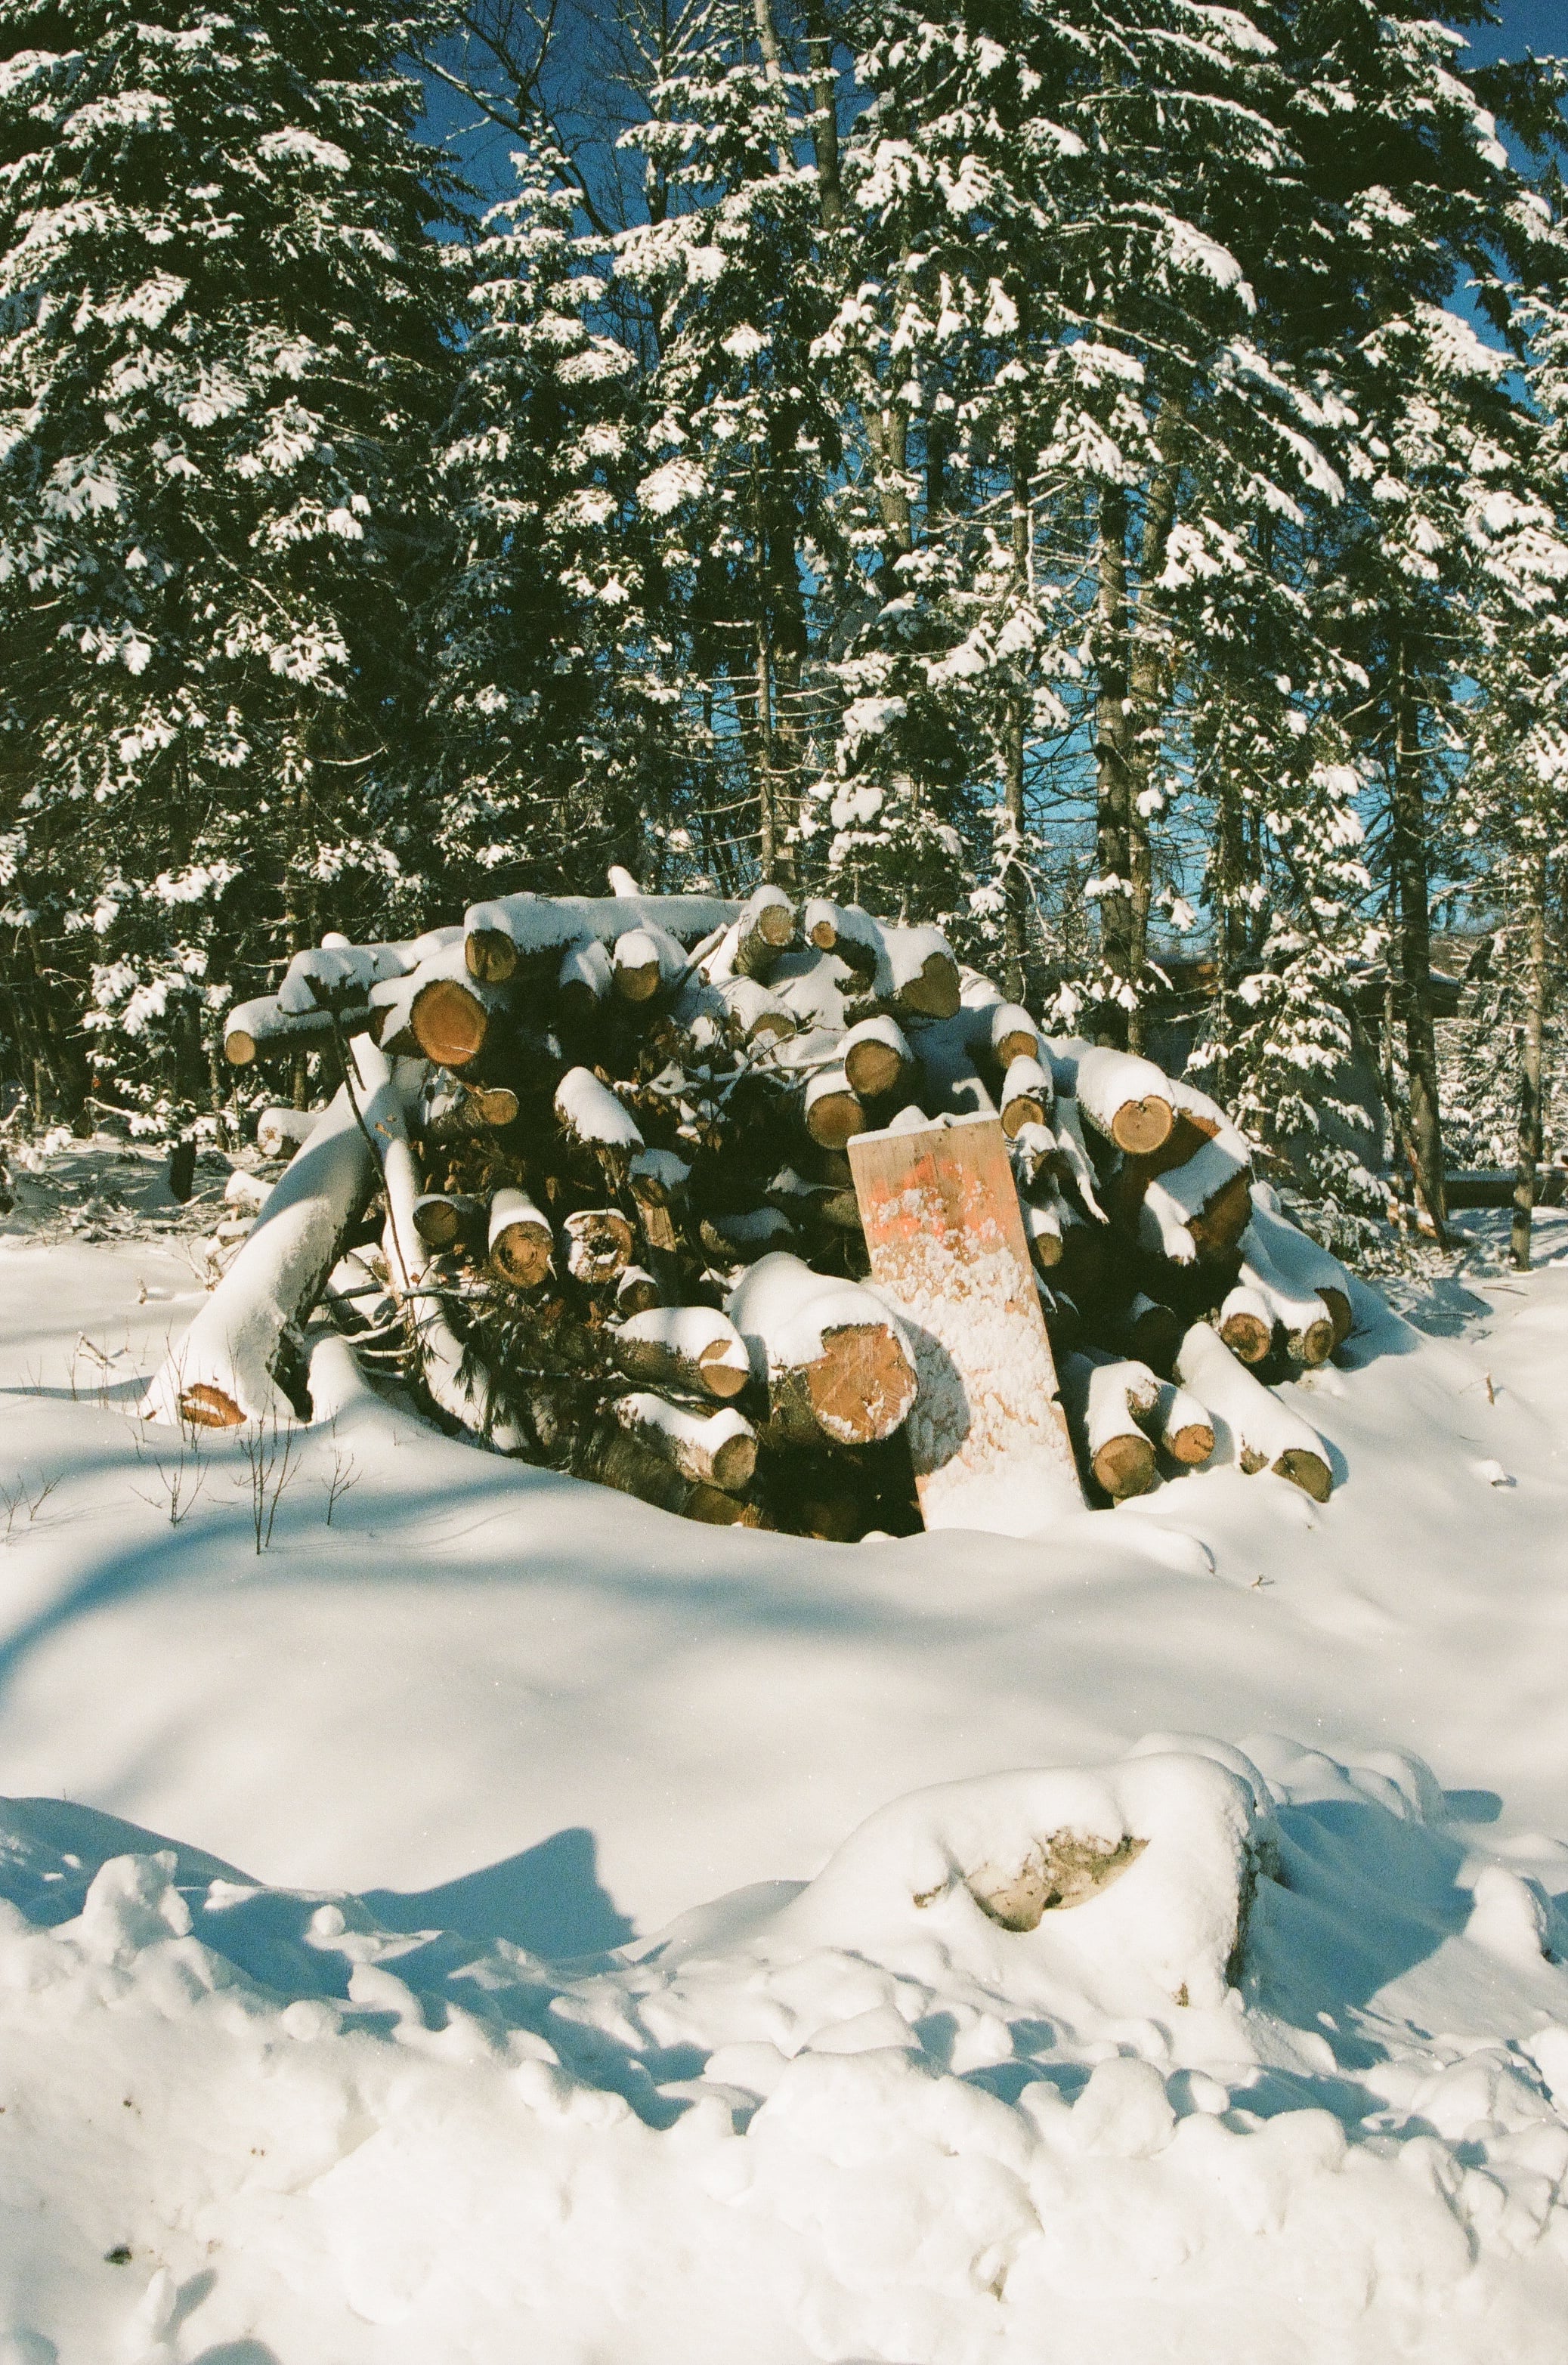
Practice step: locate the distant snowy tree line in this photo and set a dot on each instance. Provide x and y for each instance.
(1095, 472)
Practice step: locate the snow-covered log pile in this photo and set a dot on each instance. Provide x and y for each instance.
(585, 1183)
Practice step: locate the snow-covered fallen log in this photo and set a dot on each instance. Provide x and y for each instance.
(1266, 1434)
(226, 1369)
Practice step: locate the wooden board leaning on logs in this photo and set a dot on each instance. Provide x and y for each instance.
(586, 1187)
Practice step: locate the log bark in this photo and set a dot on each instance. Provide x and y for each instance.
(716, 1449)
(689, 1347)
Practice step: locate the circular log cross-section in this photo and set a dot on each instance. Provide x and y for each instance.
(862, 1384)
(835, 1113)
(599, 1244)
(1247, 1334)
(1140, 1128)
(1340, 1314)
(438, 1219)
(636, 966)
(1312, 1344)
(489, 955)
(1124, 1466)
(238, 1048)
(1190, 1444)
(519, 1252)
(873, 1067)
(449, 1021)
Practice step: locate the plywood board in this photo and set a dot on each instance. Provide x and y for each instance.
(947, 1244)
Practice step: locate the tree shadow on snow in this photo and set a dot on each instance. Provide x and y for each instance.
(548, 1900)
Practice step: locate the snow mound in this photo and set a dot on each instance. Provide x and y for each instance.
(946, 2101)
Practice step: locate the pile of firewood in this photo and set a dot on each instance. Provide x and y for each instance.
(584, 1183)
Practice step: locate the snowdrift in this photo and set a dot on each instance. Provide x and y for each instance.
(1288, 2077)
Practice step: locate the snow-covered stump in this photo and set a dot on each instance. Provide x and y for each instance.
(1266, 1433)
(225, 1370)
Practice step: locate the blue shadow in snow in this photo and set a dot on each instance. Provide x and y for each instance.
(548, 1900)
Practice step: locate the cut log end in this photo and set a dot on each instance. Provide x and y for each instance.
(824, 935)
(638, 985)
(873, 1069)
(520, 1254)
(1141, 1128)
(718, 1376)
(1190, 1445)
(1124, 1466)
(862, 1384)
(490, 955)
(449, 1021)
(1015, 1045)
(205, 1406)
(1340, 1315)
(834, 1118)
(1017, 1114)
(1314, 1345)
(1307, 1471)
(936, 991)
(1247, 1337)
(240, 1048)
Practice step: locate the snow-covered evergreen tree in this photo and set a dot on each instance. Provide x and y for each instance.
(533, 636)
(223, 353)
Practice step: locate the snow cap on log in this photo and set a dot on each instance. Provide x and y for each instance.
(1265, 1433)
(1107, 1401)
(692, 1347)
(223, 1370)
(831, 1108)
(1026, 1096)
(509, 929)
(918, 973)
(1013, 1035)
(1129, 1100)
(1308, 1265)
(594, 1116)
(716, 1449)
(876, 1056)
(281, 1131)
(831, 1355)
(254, 1028)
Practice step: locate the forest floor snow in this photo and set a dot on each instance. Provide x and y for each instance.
(579, 1938)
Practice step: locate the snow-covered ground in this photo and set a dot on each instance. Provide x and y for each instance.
(473, 2008)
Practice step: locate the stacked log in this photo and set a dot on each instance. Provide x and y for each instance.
(598, 1210)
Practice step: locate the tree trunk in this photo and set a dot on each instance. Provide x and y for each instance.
(1408, 856)
(1015, 868)
(1531, 1132)
(1113, 777)
(1148, 672)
